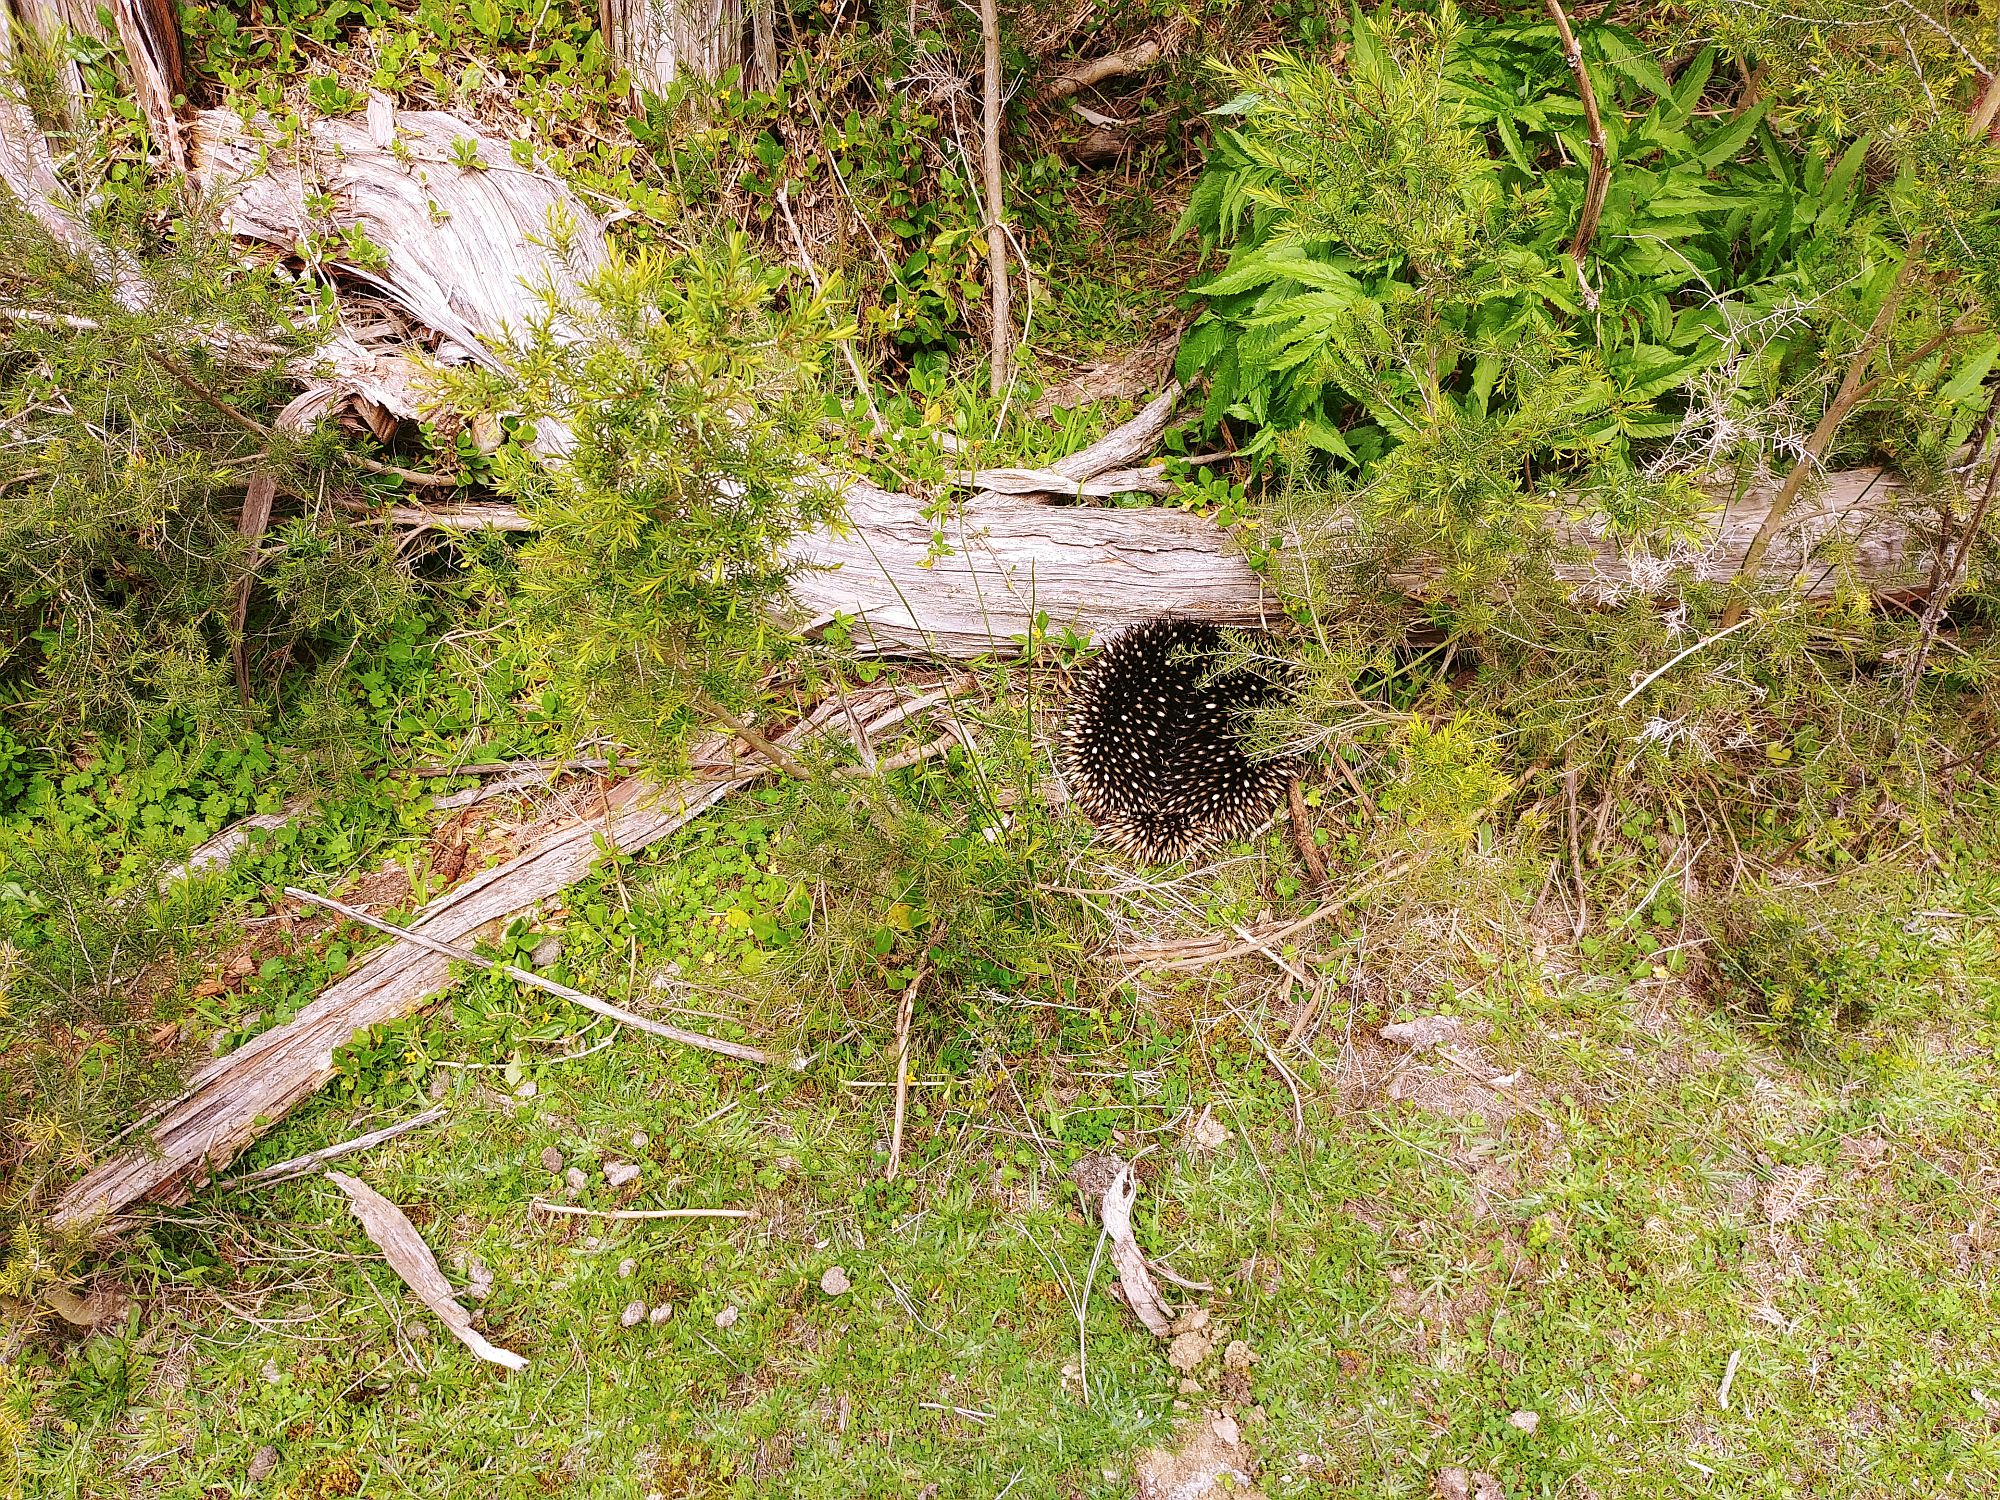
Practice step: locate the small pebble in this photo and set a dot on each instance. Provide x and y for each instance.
(618, 1173)
(271, 1373)
(660, 1314)
(551, 1160)
(835, 1283)
(592, 1242)
(634, 1312)
(640, 1140)
(1238, 1356)
(1525, 1421)
(727, 1317)
(627, 1266)
(576, 1180)
(527, 1090)
(439, 1084)
(262, 1462)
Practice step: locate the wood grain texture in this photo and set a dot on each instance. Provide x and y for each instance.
(466, 251)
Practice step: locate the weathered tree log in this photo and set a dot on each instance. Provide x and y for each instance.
(469, 238)
(149, 33)
(657, 41)
(236, 1098)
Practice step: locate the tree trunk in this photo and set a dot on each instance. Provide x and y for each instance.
(657, 41)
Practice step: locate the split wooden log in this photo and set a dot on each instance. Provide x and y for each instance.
(236, 1098)
(147, 31)
(469, 239)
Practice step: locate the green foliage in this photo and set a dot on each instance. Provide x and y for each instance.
(947, 866)
(120, 558)
(684, 387)
(1402, 298)
(1799, 974)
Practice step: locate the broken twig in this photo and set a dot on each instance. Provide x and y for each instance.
(410, 1258)
(298, 1166)
(904, 1016)
(542, 1205)
(589, 1002)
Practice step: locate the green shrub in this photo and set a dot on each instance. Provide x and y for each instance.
(686, 386)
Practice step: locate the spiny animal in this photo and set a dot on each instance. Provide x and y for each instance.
(1153, 747)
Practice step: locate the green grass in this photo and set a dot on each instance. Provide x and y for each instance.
(1665, 1185)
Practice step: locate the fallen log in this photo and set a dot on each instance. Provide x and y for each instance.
(236, 1098)
(1004, 563)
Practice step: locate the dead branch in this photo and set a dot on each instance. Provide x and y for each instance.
(234, 1099)
(905, 1014)
(410, 1258)
(542, 1205)
(1599, 181)
(737, 1050)
(298, 1166)
(996, 220)
(1087, 75)
(1843, 402)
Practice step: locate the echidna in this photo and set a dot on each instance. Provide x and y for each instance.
(1153, 748)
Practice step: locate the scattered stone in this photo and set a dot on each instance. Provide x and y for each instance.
(627, 1266)
(440, 1085)
(552, 1161)
(1422, 1034)
(660, 1314)
(633, 1314)
(835, 1283)
(1189, 1349)
(1209, 1133)
(1525, 1421)
(727, 1317)
(640, 1140)
(527, 1090)
(1189, 1386)
(576, 1180)
(1238, 1356)
(1466, 1484)
(271, 1373)
(592, 1242)
(618, 1173)
(262, 1462)
(547, 951)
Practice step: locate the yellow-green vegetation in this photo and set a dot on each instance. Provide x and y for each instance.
(1616, 1182)
(1588, 1086)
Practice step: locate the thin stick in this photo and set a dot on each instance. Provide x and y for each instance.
(996, 237)
(1599, 181)
(298, 1166)
(516, 767)
(846, 347)
(1302, 833)
(777, 755)
(904, 1016)
(1654, 676)
(578, 997)
(1083, 1312)
(544, 1206)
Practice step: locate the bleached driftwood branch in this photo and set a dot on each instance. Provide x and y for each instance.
(236, 1098)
